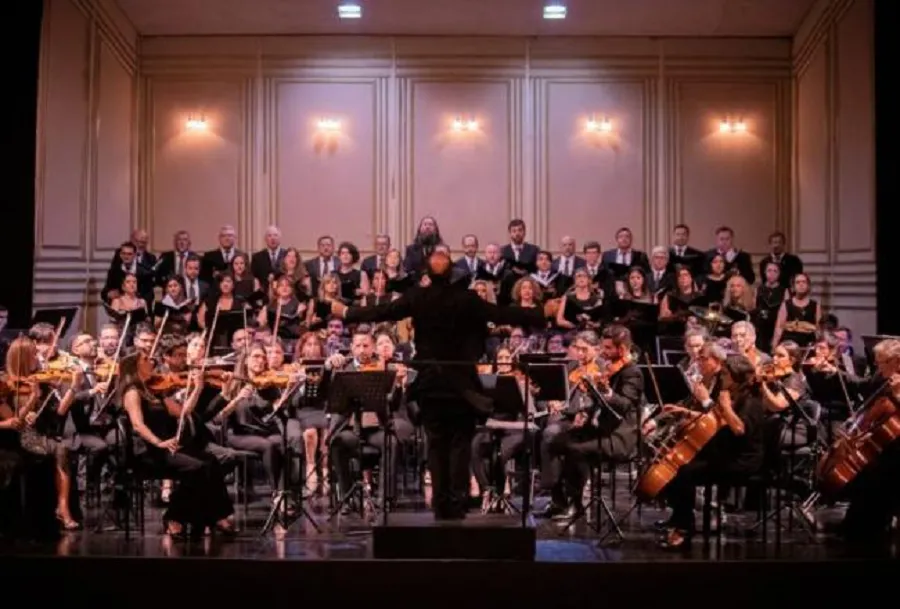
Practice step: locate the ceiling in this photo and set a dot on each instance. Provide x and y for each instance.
(469, 17)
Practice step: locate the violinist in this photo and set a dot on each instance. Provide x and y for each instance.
(834, 387)
(253, 428)
(144, 338)
(44, 415)
(511, 442)
(311, 414)
(783, 376)
(46, 343)
(735, 452)
(93, 427)
(874, 494)
(694, 341)
(200, 499)
(743, 338)
(367, 428)
(108, 342)
(608, 428)
(174, 351)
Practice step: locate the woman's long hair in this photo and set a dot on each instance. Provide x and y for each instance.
(21, 357)
(129, 376)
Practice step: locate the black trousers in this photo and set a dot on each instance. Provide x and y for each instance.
(682, 490)
(449, 424)
(346, 444)
(511, 443)
(874, 497)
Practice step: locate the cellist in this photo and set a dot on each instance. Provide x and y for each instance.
(874, 494)
(735, 451)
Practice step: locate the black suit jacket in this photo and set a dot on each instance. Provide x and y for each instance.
(638, 258)
(742, 263)
(370, 264)
(577, 263)
(665, 283)
(451, 326)
(165, 267)
(146, 279)
(213, 262)
(619, 434)
(463, 266)
(261, 265)
(692, 258)
(527, 256)
(790, 264)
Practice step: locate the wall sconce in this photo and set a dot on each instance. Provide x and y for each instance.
(460, 124)
(329, 125)
(732, 126)
(602, 125)
(195, 123)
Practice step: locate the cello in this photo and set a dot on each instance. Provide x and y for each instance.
(681, 450)
(875, 426)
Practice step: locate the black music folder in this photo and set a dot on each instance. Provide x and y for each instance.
(54, 316)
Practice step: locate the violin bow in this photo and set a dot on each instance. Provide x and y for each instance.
(159, 333)
(115, 364)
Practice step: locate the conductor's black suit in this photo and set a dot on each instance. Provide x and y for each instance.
(451, 325)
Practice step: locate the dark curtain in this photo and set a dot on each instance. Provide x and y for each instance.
(22, 42)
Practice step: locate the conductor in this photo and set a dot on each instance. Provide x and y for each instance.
(451, 326)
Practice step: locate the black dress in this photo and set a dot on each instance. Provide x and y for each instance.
(200, 497)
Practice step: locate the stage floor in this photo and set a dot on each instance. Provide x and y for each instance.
(349, 538)
(335, 567)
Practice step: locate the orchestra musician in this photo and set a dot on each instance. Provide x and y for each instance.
(736, 450)
(44, 410)
(200, 499)
(512, 442)
(451, 326)
(365, 428)
(874, 494)
(743, 338)
(606, 422)
(252, 426)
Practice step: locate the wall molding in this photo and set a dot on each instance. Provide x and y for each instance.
(843, 279)
(72, 275)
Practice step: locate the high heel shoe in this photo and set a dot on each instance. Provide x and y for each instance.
(675, 540)
(174, 530)
(67, 524)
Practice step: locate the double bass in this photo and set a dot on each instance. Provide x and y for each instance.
(875, 426)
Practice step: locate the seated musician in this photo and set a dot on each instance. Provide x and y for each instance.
(253, 427)
(743, 339)
(311, 414)
(605, 430)
(785, 386)
(109, 342)
(349, 434)
(93, 425)
(10, 463)
(735, 451)
(175, 360)
(512, 442)
(200, 499)
(874, 494)
(44, 414)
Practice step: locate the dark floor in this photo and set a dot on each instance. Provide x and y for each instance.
(349, 538)
(335, 567)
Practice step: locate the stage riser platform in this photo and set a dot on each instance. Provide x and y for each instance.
(420, 537)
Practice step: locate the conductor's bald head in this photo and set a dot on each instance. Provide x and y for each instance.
(439, 266)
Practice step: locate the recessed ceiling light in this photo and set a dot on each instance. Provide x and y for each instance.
(555, 10)
(349, 11)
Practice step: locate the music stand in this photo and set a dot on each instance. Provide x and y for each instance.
(281, 512)
(350, 394)
(508, 406)
(671, 382)
(551, 377)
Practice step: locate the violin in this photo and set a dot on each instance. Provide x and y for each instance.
(769, 373)
(272, 379)
(106, 369)
(585, 373)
